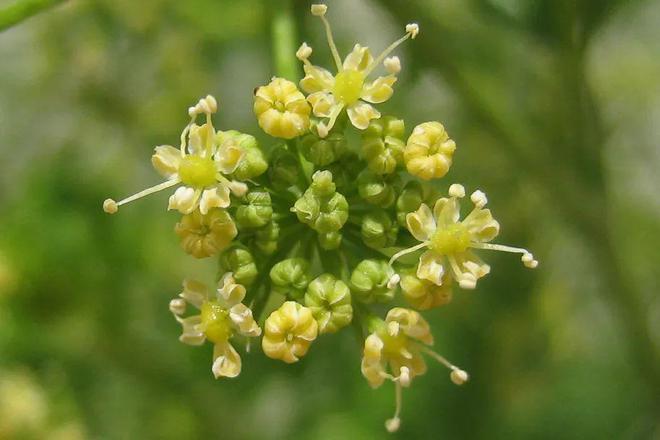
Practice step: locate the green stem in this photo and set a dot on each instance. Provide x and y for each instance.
(22, 10)
(283, 31)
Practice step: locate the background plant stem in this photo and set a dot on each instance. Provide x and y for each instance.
(22, 10)
(283, 32)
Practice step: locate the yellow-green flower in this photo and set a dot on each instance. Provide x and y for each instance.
(221, 317)
(349, 88)
(428, 153)
(449, 241)
(289, 331)
(198, 167)
(423, 294)
(281, 109)
(204, 235)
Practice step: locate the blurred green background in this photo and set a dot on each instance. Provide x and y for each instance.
(555, 107)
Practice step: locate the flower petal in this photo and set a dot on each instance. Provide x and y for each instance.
(226, 361)
(184, 199)
(481, 225)
(379, 90)
(316, 79)
(431, 267)
(361, 113)
(241, 316)
(230, 292)
(217, 197)
(322, 103)
(421, 223)
(446, 211)
(194, 292)
(192, 330)
(228, 157)
(166, 160)
(359, 59)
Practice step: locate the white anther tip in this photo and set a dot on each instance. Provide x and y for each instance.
(110, 206)
(192, 111)
(457, 190)
(412, 29)
(459, 377)
(404, 377)
(303, 52)
(392, 64)
(178, 306)
(393, 328)
(393, 281)
(322, 130)
(479, 198)
(319, 10)
(212, 103)
(393, 424)
(529, 261)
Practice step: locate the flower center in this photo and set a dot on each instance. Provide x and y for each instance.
(279, 106)
(455, 238)
(348, 86)
(197, 171)
(215, 321)
(393, 345)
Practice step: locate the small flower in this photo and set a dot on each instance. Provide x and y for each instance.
(204, 235)
(449, 241)
(396, 343)
(240, 262)
(221, 317)
(289, 331)
(428, 153)
(377, 190)
(257, 212)
(324, 151)
(199, 166)
(321, 207)
(394, 351)
(423, 294)
(378, 230)
(281, 109)
(329, 299)
(349, 88)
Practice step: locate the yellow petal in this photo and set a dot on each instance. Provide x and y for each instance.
(217, 197)
(226, 361)
(316, 79)
(421, 223)
(166, 160)
(379, 90)
(431, 267)
(359, 59)
(361, 113)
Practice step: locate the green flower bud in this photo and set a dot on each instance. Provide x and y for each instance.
(266, 238)
(289, 277)
(382, 144)
(330, 240)
(375, 190)
(344, 171)
(323, 151)
(257, 212)
(411, 197)
(283, 169)
(253, 163)
(369, 281)
(378, 230)
(240, 262)
(320, 207)
(329, 299)
(322, 184)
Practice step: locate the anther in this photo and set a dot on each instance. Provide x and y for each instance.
(458, 376)
(319, 10)
(110, 206)
(457, 190)
(178, 306)
(303, 52)
(392, 64)
(479, 199)
(412, 29)
(393, 281)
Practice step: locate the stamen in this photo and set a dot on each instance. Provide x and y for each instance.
(479, 199)
(411, 32)
(110, 206)
(527, 257)
(392, 65)
(458, 376)
(404, 376)
(323, 129)
(303, 53)
(457, 190)
(393, 424)
(393, 281)
(319, 11)
(465, 280)
(408, 251)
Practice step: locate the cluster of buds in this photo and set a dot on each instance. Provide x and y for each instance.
(329, 227)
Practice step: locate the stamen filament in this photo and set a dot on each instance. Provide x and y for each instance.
(499, 247)
(324, 129)
(438, 358)
(385, 53)
(392, 425)
(331, 43)
(184, 133)
(148, 191)
(408, 251)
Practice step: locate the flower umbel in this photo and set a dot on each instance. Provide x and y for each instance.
(349, 88)
(222, 316)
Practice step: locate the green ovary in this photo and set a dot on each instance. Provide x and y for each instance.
(453, 239)
(348, 86)
(215, 320)
(198, 172)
